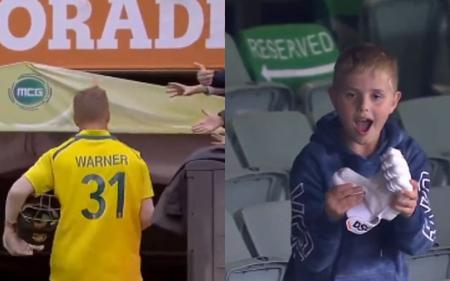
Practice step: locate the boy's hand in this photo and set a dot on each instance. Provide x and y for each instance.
(340, 198)
(405, 201)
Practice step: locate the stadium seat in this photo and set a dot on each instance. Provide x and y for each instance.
(426, 120)
(440, 198)
(342, 17)
(441, 64)
(316, 99)
(258, 97)
(343, 7)
(235, 71)
(409, 31)
(271, 140)
(433, 266)
(232, 159)
(252, 188)
(440, 171)
(258, 269)
(268, 228)
(235, 248)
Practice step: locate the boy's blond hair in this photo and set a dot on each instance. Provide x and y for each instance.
(90, 105)
(365, 57)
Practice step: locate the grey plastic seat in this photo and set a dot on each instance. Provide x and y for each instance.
(268, 227)
(342, 18)
(432, 266)
(251, 188)
(409, 31)
(317, 102)
(235, 70)
(271, 140)
(440, 171)
(235, 248)
(232, 163)
(258, 97)
(257, 269)
(426, 120)
(440, 198)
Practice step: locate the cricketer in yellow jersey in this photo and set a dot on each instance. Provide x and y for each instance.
(105, 193)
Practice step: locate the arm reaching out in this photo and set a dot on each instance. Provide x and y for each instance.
(208, 124)
(177, 89)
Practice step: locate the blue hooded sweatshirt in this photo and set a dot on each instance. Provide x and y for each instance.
(324, 250)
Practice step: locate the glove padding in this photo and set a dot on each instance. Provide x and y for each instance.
(395, 171)
(376, 205)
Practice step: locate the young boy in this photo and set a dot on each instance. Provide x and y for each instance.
(356, 136)
(105, 192)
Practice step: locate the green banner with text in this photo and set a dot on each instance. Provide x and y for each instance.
(291, 54)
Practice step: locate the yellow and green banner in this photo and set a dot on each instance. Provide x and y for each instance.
(38, 98)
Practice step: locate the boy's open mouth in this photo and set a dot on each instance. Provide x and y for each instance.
(363, 125)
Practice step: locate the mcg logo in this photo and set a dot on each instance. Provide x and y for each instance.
(30, 91)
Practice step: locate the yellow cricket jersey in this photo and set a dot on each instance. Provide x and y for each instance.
(100, 183)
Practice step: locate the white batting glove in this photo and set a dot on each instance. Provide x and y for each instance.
(395, 171)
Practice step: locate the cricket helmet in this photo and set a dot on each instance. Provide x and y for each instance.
(38, 219)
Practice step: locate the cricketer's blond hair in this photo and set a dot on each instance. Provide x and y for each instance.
(90, 105)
